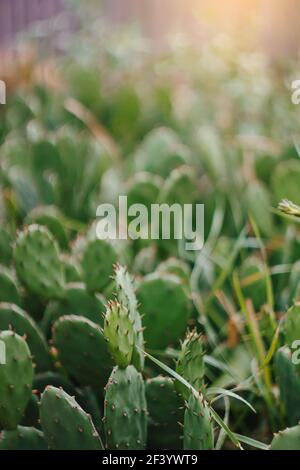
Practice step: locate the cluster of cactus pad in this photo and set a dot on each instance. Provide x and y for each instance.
(74, 375)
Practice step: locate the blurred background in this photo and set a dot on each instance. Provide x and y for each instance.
(272, 25)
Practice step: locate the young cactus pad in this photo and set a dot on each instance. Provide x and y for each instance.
(190, 363)
(119, 333)
(198, 428)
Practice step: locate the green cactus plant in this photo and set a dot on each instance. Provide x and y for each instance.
(125, 410)
(9, 290)
(77, 301)
(127, 297)
(6, 250)
(12, 316)
(119, 333)
(16, 376)
(50, 217)
(165, 413)
(198, 428)
(166, 309)
(289, 439)
(99, 256)
(190, 364)
(23, 438)
(38, 264)
(64, 423)
(288, 380)
(82, 350)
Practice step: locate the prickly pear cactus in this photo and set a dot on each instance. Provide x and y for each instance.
(177, 267)
(15, 379)
(64, 423)
(50, 217)
(38, 264)
(165, 307)
(13, 317)
(23, 438)
(288, 381)
(82, 350)
(125, 410)
(119, 333)
(6, 251)
(190, 364)
(198, 428)
(289, 439)
(77, 301)
(144, 189)
(97, 263)
(165, 414)
(9, 291)
(127, 297)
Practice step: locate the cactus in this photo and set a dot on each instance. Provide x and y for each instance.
(97, 263)
(190, 364)
(9, 291)
(289, 439)
(13, 317)
(166, 309)
(165, 413)
(289, 385)
(180, 187)
(119, 333)
(72, 268)
(15, 379)
(50, 217)
(126, 296)
(77, 301)
(6, 251)
(23, 438)
(198, 428)
(82, 350)
(125, 410)
(64, 423)
(31, 415)
(38, 264)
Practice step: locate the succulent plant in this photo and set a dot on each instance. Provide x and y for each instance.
(64, 423)
(190, 364)
(14, 318)
(82, 350)
(165, 307)
(289, 439)
(165, 414)
(23, 438)
(125, 410)
(38, 264)
(99, 257)
(9, 291)
(119, 333)
(16, 376)
(198, 428)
